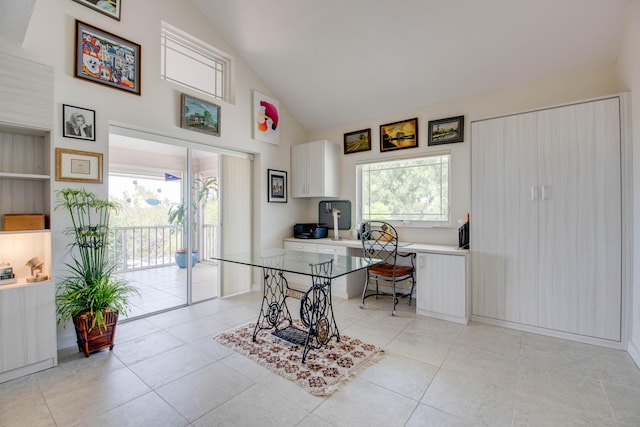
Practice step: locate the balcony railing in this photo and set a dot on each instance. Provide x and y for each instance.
(135, 248)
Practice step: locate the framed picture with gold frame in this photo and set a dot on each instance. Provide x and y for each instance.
(78, 166)
(399, 135)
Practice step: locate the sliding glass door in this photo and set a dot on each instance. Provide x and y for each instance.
(167, 231)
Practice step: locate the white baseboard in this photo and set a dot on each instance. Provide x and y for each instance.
(634, 352)
(550, 332)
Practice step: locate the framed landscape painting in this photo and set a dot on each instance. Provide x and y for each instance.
(357, 141)
(399, 135)
(200, 115)
(446, 131)
(111, 8)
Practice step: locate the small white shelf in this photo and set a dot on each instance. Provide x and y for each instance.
(23, 176)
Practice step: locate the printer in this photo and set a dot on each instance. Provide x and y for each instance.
(310, 231)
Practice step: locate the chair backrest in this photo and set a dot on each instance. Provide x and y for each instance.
(379, 240)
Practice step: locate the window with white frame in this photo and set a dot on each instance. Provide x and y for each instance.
(411, 191)
(190, 62)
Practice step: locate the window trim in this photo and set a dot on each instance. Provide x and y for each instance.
(404, 223)
(170, 33)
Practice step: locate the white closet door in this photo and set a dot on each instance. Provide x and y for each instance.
(580, 219)
(503, 219)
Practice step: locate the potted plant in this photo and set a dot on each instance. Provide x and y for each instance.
(205, 189)
(91, 295)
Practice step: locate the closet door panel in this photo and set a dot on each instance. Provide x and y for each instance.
(504, 219)
(580, 219)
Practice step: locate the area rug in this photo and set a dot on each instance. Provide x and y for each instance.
(325, 368)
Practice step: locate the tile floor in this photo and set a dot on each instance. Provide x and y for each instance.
(166, 370)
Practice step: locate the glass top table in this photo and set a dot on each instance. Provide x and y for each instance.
(299, 262)
(318, 324)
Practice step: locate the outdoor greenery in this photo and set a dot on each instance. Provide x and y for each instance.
(90, 284)
(204, 189)
(407, 190)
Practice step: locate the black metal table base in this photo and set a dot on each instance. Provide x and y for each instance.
(316, 309)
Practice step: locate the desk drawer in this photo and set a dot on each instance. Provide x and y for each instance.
(300, 246)
(331, 249)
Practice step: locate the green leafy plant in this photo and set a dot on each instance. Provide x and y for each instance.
(204, 189)
(91, 285)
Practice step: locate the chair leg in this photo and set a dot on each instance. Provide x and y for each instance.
(393, 312)
(413, 284)
(364, 291)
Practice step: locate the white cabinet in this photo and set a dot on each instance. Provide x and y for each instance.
(347, 286)
(442, 287)
(315, 169)
(27, 329)
(546, 219)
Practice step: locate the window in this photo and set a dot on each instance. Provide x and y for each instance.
(190, 62)
(407, 191)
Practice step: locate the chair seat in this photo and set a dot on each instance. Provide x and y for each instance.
(386, 270)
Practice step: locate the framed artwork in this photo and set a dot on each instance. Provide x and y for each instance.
(102, 57)
(446, 131)
(359, 140)
(277, 182)
(200, 115)
(266, 118)
(78, 166)
(399, 135)
(111, 8)
(78, 123)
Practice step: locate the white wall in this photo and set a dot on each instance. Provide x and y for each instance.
(629, 69)
(50, 40)
(578, 85)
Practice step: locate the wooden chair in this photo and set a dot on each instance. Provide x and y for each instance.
(380, 240)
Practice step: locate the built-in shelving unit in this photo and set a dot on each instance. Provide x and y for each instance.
(27, 309)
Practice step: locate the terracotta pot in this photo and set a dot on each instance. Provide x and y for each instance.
(95, 339)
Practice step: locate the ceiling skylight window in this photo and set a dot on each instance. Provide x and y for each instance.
(190, 62)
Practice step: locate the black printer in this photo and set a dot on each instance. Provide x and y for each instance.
(310, 231)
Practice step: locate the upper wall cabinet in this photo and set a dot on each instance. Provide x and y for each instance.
(27, 93)
(315, 169)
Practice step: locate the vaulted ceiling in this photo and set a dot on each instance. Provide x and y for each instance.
(335, 62)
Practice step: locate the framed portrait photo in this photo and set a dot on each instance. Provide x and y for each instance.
(277, 186)
(399, 135)
(78, 122)
(359, 140)
(78, 166)
(446, 131)
(104, 58)
(200, 115)
(111, 8)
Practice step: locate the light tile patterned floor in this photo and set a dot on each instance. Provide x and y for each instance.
(166, 370)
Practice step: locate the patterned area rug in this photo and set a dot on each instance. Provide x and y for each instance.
(324, 370)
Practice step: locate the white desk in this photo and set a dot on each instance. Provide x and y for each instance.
(442, 282)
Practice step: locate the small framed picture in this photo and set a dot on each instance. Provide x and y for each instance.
(78, 123)
(446, 131)
(359, 140)
(277, 182)
(78, 166)
(111, 8)
(200, 115)
(104, 58)
(399, 135)
(266, 118)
